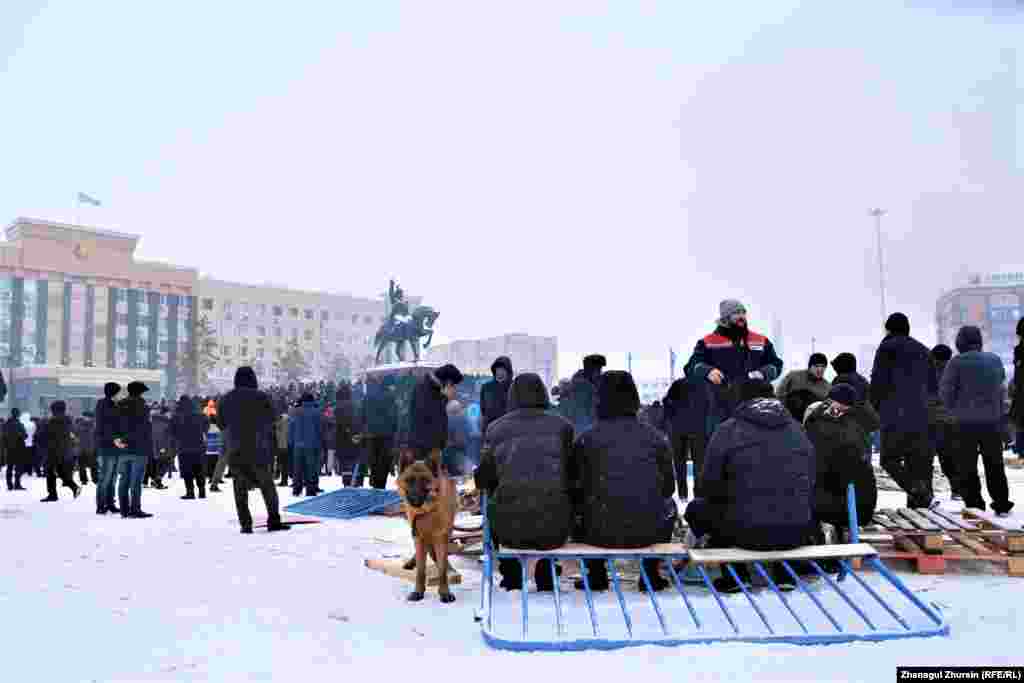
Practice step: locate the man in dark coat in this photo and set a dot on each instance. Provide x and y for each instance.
(85, 432)
(838, 428)
(582, 393)
(57, 434)
(246, 416)
(346, 454)
(305, 436)
(15, 450)
(759, 482)
(135, 441)
(379, 424)
(107, 428)
(942, 427)
(161, 445)
(973, 388)
(525, 473)
(686, 419)
(800, 388)
(845, 365)
(188, 436)
(730, 356)
(624, 470)
(902, 379)
(428, 433)
(1017, 406)
(494, 394)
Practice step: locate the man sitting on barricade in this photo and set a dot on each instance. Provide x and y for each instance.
(759, 477)
(524, 469)
(624, 468)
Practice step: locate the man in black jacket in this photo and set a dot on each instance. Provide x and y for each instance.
(1017, 406)
(107, 428)
(428, 434)
(135, 442)
(973, 388)
(902, 379)
(379, 422)
(246, 417)
(85, 432)
(942, 427)
(15, 450)
(686, 418)
(845, 365)
(759, 479)
(58, 435)
(494, 394)
(525, 472)
(188, 436)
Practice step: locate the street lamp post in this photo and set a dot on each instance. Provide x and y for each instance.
(877, 215)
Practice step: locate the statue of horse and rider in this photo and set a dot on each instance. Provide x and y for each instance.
(403, 328)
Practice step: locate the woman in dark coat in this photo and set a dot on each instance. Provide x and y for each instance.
(624, 469)
(14, 447)
(524, 469)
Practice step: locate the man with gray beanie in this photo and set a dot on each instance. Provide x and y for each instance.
(729, 356)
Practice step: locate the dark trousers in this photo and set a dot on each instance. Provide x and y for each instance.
(947, 450)
(261, 477)
(597, 570)
(193, 475)
(87, 463)
(907, 457)
(306, 469)
(988, 441)
(283, 466)
(61, 469)
(14, 473)
(379, 460)
(684, 447)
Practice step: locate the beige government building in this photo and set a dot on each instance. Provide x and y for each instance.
(527, 353)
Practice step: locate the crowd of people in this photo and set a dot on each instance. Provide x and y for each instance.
(771, 464)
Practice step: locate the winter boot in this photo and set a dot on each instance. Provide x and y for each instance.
(727, 584)
(597, 576)
(658, 582)
(542, 576)
(49, 499)
(278, 526)
(511, 575)
(202, 488)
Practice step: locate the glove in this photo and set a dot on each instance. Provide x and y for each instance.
(756, 374)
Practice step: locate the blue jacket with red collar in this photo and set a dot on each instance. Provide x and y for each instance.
(735, 355)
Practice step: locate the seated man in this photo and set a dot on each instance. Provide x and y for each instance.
(626, 480)
(759, 476)
(838, 428)
(524, 469)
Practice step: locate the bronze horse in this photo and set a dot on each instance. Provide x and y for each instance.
(408, 332)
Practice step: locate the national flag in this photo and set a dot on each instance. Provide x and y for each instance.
(86, 199)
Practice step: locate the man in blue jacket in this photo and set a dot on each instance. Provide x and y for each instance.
(305, 439)
(974, 390)
(729, 356)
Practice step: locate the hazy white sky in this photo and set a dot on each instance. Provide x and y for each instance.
(601, 171)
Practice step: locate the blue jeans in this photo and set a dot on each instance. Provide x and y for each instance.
(132, 469)
(306, 469)
(108, 458)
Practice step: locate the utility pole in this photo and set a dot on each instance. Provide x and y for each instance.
(877, 214)
(813, 341)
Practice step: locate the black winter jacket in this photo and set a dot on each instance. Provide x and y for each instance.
(973, 384)
(494, 394)
(759, 470)
(857, 381)
(1017, 407)
(246, 416)
(14, 443)
(525, 470)
(56, 433)
(135, 427)
(188, 429)
(902, 379)
(107, 425)
(429, 428)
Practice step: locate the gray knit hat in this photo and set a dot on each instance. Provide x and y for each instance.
(728, 308)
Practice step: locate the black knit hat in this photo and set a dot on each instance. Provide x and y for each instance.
(111, 389)
(942, 353)
(898, 324)
(594, 361)
(843, 393)
(448, 374)
(59, 408)
(817, 359)
(137, 389)
(844, 363)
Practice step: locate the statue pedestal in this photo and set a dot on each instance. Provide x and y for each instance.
(405, 369)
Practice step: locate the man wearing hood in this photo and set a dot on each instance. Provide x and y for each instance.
(188, 435)
(525, 472)
(14, 447)
(247, 418)
(305, 438)
(730, 356)
(974, 390)
(624, 470)
(135, 441)
(800, 388)
(902, 379)
(582, 393)
(58, 435)
(428, 410)
(759, 482)
(494, 394)
(107, 428)
(845, 365)
(942, 428)
(379, 423)
(1017, 406)
(161, 446)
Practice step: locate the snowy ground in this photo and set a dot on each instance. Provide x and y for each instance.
(184, 597)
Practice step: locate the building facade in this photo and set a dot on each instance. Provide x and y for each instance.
(990, 301)
(652, 390)
(77, 310)
(527, 353)
(255, 325)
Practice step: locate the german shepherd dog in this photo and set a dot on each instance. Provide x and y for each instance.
(430, 506)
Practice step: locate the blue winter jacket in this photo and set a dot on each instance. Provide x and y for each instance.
(974, 382)
(305, 427)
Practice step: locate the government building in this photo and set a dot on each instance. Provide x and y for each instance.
(527, 353)
(991, 301)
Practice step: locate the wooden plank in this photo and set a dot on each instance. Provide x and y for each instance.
(932, 543)
(1015, 566)
(1012, 523)
(973, 544)
(572, 549)
(898, 522)
(394, 568)
(907, 544)
(943, 523)
(810, 552)
(953, 518)
(918, 520)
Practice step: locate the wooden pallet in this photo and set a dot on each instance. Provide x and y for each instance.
(394, 568)
(930, 538)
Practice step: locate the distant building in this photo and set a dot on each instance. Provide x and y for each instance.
(990, 301)
(652, 390)
(527, 353)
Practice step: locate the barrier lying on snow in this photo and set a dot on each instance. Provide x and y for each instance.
(347, 503)
(814, 615)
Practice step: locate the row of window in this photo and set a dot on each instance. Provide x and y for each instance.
(261, 310)
(293, 333)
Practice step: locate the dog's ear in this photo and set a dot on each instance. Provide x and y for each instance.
(434, 468)
(405, 459)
